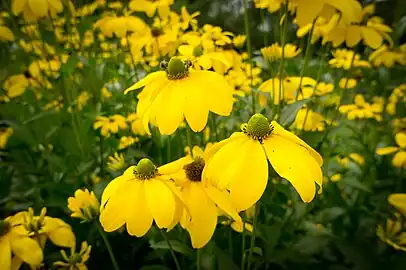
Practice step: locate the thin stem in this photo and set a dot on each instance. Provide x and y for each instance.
(214, 127)
(249, 49)
(243, 246)
(254, 224)
(189, 140)
(198, 259)
(230, 242)
(306, 60)
(108, 246)
(171, 250)
(101, 156)
(281, 65)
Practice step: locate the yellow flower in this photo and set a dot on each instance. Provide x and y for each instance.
(15, 85)
(362, 109)
(16, 246)
(116, 162)
(347, 83)
(307, 11)
(176, 94)
(188, 19)
(398, 94)
(199, 196)
(120, 26)
(110, 124)
(399, 159)
(342, 59)
(82, 100)
(105, 93)
(357, 158)
(76, 261)
(393, 233)
(43, 227)
(95, 178)
(309, 120)
(398, 200)
(241, 164)
(336, 177)
(36, 9)
(137, 198)
(136, 124)
(126, 141)
(387, 57)
(321, 27)
(84, 205)
(271, 5)
(323, 88)
(5, 133)
(239, 41)
(5, 33)
(151, 6)
(274, 52)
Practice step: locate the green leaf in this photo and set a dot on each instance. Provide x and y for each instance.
(355, 183)
(311, 244)
(329, 214)
(223, 259)
(176, 246)
(288, 113)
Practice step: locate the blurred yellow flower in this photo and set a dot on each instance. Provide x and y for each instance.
(136, 124)
(5, 33)
(105, 93)
(321, 27)
(247, 154)
(200, 197)
(116, 162)
(239, 41)
(398, 200)
(151, 6)
(36, 9)
(398, 95)
(15, 85)
(347, 83)
(5, 133)
(271, 5)
(151, 195)
(120, 26)
(399, 159)
(176, 94)
(309, 120)
(16, 246)
(84, 205)
(346, 59)
(76, 261)
(388, 56)
(336, 177)
(110, 124)
(43, 227)
(188, 19)
(126, 141)
(393, 233)
(362, 109)
(274, 52)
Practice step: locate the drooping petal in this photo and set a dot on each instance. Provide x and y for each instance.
(386, 150)
(294, 163)
(196, 108)
(186, 50)
(59, 232)
(158, 75)
(399, 159)
(353, 35)
(250, 182)
(5, 253)
(39, 7)
(26, 249)
(161, 202)
(223, 201)
(174, 166)
(138, 216)
(371, 37)
(398, 200)
(400, 139)
(112, 187)
(307, 12)
(17, 6)
(203, 216)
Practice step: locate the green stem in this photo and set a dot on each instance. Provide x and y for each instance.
(263, 22)
(171, 250)
(214, 127)
(306, 60)
(198, 259)
(252, 243)
(189, 140)
(108, 246)
(230, 242)
(101, 156)
(281, 65)
(243, 246)
(249, 49)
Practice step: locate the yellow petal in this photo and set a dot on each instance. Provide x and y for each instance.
(399, 159)
(279, 130)
(169, 108)
(174, 166)
(223, 201)
(196, 108)
(186, 50)
(56, 4)
(16, 263)
(6, 34)
(17, 6)
(398, 200)
(5, 253)
(161, 202)
(250, 181)
(371, 37)
(307, 12)
(27, 250)
(112, 187)
(39, 7)
(62, 235)
(386, 150)
(148, 79)
(138, 216)
(400, 139)
(112, 217)
(353, 35)
(294, 163)
(203, 215)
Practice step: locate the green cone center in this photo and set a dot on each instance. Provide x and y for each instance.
(194, 169)
(145, 169)
(176, 67)
(258, 126)
(197, 51)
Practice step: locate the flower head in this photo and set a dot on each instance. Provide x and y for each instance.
(141, 195)
(202, 200)
(84, 205)
(274, 52)
(245, 174)
(108, 125)
(36, 9)
(175, 94)
(75, 260)
(116, 162)
(399, 159)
